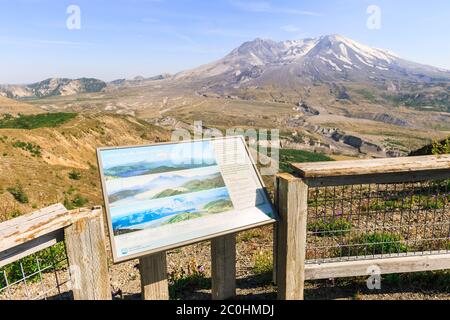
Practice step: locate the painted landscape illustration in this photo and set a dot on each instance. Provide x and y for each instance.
(147, 187)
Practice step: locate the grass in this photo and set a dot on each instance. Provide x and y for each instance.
(372, 244)
(33, 149)
(50, 258)
(74, 175)
(334, 227)
(28, 122)
(18, 194)
(250, 235)
(184, 281)
(436, 280)
(76, 202)
(366, 94)
(288, 156)
(263, 263)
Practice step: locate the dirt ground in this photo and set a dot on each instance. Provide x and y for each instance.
(189, 272)
(254, 249)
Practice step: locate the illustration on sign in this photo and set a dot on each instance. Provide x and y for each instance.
(163, 196)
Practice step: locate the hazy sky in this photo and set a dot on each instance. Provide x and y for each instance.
(125, 38)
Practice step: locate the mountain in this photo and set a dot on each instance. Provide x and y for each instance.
(317, 60)
(137, 81)
(53, 87)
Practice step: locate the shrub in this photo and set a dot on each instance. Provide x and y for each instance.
(436, 280)
(262, 263)
(442, 147)
(372, 243)
(334, 227)
(183, 282)
(250, 235)
(51, 258)
(18, 194)
(74, 175)
(77, 202)
(34, 149)
(288, 156)
(46, 120)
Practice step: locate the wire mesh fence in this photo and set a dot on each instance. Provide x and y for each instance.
(374, 221)
(43, 275)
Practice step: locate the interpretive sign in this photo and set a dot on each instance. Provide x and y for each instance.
(163, 196)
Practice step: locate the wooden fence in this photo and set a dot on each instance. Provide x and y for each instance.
(83, 233)
(296, 256)
(294, 234)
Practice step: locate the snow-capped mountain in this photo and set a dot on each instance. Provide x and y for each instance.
(324, 59)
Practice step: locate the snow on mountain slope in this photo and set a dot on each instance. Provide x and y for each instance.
(322, 59)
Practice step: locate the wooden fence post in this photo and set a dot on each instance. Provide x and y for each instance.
(88, 262)
(292, 204)
(275, 235)
(154, 282)
(223, 267)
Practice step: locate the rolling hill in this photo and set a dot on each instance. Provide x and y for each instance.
(13, 107)
(48, 165)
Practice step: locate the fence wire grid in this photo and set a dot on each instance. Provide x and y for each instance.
(360, 222)
(41, 276)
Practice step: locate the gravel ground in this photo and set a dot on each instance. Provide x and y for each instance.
(254, 249)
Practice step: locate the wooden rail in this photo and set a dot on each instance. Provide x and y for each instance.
(291, 199)
(82, 230)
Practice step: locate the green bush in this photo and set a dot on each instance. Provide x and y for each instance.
(74, 175)
(262, 263)
(77, 202)
(436, 280)
(183, 282)
(34, 149)
(18, 194)
(46, 120)
(288, 156)
(372, 243)
(442, 147)
(50, 259)
(333, 227)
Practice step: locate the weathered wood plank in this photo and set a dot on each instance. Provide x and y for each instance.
(292, 204)
(154, 282)
(21, 251)
(32, 226)
(402, 264)
(380, 178)
(223, 267)
(29, 217)
(88, 262)
(372, 166)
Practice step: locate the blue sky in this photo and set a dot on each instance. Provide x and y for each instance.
(183, 153)
(125, 38)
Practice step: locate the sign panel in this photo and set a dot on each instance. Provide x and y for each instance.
(164, 196)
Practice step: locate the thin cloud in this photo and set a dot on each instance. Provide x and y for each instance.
(37, 42)
(267, 7)
(290, 28)
(61, 42)
(225, 33)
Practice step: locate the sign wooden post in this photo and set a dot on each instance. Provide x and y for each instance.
(154, 282)
(223, 267)
(88, 263)
(169, 195)
(292, 204)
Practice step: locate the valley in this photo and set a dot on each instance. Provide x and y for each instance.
(329, 95)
